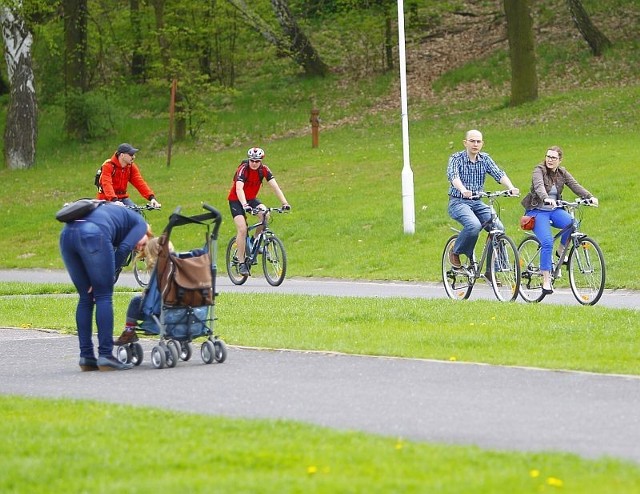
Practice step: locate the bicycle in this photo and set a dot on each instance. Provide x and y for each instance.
(582, 256)
(140, 271)
(267, 244)
(499, 255)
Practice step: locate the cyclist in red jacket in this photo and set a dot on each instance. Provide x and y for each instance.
(117, 172)
(247, 182)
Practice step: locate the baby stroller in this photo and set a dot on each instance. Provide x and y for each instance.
(179, 302)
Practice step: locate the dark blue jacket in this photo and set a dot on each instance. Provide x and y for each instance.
(123, 226)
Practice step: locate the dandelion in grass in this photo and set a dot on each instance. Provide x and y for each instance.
(312, 469)
(554, 482)
(452, 358)
(534, 474)
(399, 444)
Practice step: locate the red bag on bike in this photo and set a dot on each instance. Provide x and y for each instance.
(527, 222)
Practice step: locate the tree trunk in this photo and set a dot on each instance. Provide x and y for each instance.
(524, 78)
(300, 46)
(138, 61)
(163, 44)
(21, 129)
(294, 44)
(75, 68)
(597, 41)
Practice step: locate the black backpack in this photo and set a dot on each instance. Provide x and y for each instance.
(96, 180)
(76, 210)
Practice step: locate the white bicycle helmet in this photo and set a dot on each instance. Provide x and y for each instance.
(255, 153)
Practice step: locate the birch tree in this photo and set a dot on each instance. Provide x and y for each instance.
(22, 116)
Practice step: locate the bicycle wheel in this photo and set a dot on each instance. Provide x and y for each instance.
(505, 272)
(141, 272)
(457, 282)
(586, 271)
(274, 260)
(233, 265)
(530, 275)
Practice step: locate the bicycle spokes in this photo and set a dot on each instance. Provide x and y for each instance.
(505, 275)
(587, 271)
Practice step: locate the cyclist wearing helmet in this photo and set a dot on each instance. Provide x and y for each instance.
(247, 182)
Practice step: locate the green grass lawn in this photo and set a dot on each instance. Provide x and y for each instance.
(51, 446)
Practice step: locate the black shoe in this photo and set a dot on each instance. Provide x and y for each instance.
(88, 364)
(110, 363)
(547, 291)
(242, 269)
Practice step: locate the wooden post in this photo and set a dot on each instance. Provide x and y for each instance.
(172, 107)
(315, 124)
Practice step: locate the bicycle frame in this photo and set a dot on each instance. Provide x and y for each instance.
(581, 255)
(266, 244)
(501, 271)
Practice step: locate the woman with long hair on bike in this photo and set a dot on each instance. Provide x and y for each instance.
(547, 183)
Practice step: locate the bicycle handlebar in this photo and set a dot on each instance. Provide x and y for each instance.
(142, 208)
(256, 211)
(500, 193)
(576, 203)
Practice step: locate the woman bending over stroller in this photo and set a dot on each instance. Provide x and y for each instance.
(149, 298)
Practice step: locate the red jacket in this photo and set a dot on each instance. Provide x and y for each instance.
(115, 179)
(252, 180)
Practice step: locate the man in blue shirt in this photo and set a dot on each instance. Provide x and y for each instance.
(466, 173)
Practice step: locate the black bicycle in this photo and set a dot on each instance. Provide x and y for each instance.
(140, 270)
(265, 244)
(582, 256)
(499, 259)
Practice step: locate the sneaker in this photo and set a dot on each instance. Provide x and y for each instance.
(454, 259)
(242, 269)
(128, 336)
(88, 364)
(110, 363)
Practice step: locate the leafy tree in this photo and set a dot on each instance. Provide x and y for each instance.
(75, 68)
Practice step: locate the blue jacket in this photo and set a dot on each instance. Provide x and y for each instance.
(123, 226)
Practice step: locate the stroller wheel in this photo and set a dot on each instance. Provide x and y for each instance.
(172, 354)
(177, 347)
(186, 350)
(158, 357)
(220, 351)
(137, 354)
(124, 354)
(207, 352)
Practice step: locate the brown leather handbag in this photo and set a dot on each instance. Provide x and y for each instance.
(527, 222)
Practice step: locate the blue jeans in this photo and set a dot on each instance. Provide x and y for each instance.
(89, 258)
(471, 214)
(558, 218)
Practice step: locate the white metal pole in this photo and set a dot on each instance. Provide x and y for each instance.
(408, 205)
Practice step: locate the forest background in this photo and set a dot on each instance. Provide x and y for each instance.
(239, 84)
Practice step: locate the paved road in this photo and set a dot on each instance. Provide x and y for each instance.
(490, 406)
(342, 288)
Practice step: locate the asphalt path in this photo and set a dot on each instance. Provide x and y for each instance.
(503, 408)
(341, 288)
